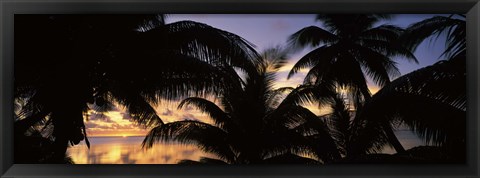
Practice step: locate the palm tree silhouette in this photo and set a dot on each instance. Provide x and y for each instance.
(254, 123)
(454, 26)
(69, 64)
(430, 100)
(349, 47)
(36, 149)
(339, 122)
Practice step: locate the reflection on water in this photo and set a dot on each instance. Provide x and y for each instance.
(128, 150)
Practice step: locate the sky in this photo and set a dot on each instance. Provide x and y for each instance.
(265, 30)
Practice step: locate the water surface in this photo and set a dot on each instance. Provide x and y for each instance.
(128, 150)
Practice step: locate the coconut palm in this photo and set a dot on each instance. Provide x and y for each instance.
(68, 64)
(339, 122)
(254, 123)
(453, 26)
(36, 149)
(430, 100)
(347, 48)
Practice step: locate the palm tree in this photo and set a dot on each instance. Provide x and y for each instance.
(35, 149)
(68, 64)
(430, 100)
(254, 123)
(339, 122)
(453, 26)
(347, 48)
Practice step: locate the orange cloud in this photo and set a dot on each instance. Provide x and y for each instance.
(119, 123)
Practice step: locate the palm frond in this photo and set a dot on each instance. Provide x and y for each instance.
(383, 32)
(206, 160)
(139, 109)
(307, 94)
(431, 100)
(290, 159)
(322, 56)
(217, 114)
(435, 26)
(321, 142)
(379, 67)
(346, 25)
(203, 160)
(274, 97)
(293, 142)
(347, 73)
(366, 137)
(207, 43)
(151, 22)
(456, 41)
(164, 75)
(102, 104)
(339, 122)
(209, 138)
(389, 49)
(343, 72)
(21, 126)
(273, 58)
(297, 130)
(311, 36)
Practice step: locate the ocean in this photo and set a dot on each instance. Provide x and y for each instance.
(128, 150)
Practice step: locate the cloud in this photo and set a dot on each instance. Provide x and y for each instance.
(100, 117)
(280, 25)
(97, 126)
(118, 123)
(119, 126)
(91, 125)
(187, 153)
(126, 116)
(167, 158)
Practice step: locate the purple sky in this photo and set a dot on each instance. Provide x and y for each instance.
(267, 30)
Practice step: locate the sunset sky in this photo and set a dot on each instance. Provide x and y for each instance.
(264, 31)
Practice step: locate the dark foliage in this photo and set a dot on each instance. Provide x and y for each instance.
(68, 64)
(255, 124)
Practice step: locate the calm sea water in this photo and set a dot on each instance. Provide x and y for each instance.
(128, 150)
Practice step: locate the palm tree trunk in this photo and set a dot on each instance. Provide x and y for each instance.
(392, 138)
(63, 124)
(59, 149)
